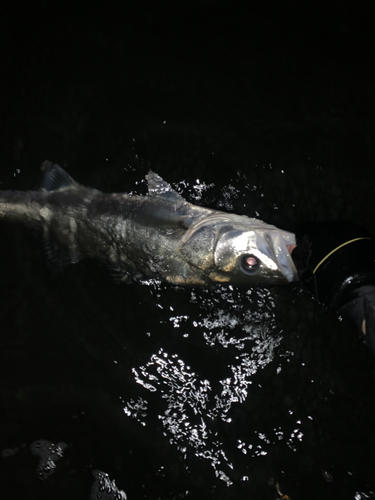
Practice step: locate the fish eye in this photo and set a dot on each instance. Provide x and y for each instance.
(249, 264)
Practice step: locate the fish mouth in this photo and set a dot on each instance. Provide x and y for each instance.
(282, 244)
(290, 248)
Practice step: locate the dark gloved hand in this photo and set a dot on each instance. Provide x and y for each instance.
(336, 263)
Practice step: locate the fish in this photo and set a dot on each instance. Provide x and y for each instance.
(159, 235)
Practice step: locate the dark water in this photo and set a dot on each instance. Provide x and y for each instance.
(163, 392)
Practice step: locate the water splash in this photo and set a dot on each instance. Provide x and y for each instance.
(48, 454)
(105, 489)
(191, 404)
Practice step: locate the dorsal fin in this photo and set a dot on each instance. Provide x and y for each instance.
(55, 177)
(158, 187)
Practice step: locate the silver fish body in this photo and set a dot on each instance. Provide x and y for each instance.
(159, 235)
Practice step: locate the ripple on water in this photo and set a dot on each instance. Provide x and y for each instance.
(191, 405)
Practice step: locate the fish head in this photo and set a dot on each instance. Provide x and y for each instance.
(235, 249)
(259, 255)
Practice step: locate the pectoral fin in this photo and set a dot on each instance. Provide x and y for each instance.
(58, 256)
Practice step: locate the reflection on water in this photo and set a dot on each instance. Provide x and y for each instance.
(105, 489)
(48, 454)
(189, 406)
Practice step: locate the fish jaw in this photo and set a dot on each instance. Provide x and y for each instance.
(282, 244)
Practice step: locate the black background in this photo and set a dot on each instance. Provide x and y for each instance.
(272, 105)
